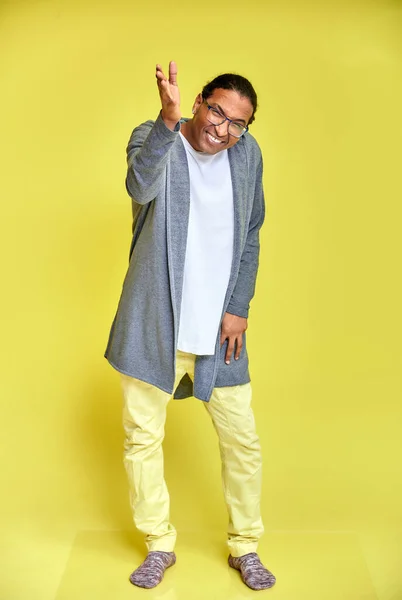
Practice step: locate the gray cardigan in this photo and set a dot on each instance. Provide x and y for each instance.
(143, 337)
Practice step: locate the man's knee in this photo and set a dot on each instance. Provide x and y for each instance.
(143, 438)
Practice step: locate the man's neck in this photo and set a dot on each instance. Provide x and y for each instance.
(185, 130)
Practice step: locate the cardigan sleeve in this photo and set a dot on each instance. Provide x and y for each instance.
(244, 290)
(147, 156)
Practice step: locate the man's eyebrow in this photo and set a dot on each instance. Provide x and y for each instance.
(223, 112)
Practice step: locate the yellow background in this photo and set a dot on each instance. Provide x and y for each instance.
(325, 327)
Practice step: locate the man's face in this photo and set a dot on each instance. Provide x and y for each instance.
(206, 137)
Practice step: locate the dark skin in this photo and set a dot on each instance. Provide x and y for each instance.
(198, 131)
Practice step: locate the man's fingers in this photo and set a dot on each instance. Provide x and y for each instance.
(169, 95)
(172, 72)
(164, 92)
(159, 71)
(163, 83)
(160, 76)
(239, 346)
(229, 350)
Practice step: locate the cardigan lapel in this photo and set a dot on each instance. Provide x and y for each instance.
(237, 161)
(177, 217)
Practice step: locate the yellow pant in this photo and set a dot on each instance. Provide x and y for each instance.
(144, 418)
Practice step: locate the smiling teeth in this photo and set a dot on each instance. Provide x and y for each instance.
(214, 139)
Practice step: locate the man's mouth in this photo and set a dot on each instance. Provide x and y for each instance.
(213, 139)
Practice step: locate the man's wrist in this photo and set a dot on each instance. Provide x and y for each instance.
(172, 125)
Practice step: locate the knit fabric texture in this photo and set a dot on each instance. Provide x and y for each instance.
(252, 571)
(151, 572)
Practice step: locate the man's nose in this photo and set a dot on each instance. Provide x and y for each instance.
(222, 129)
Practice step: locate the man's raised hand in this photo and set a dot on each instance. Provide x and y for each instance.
(169, 95)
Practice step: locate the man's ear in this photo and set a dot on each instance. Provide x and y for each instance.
(197, 103)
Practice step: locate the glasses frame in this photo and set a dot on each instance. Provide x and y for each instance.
(209, 107)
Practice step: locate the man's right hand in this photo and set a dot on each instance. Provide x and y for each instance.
(169, 94)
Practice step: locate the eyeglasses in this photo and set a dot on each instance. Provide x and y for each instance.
(215, 117)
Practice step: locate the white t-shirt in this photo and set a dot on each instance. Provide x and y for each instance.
(209, 250)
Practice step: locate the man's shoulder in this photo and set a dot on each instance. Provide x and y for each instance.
(252, 142)
(251, 147)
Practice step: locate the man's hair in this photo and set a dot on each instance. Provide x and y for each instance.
(237, 83)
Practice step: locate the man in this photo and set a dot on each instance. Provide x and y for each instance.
(198, 205)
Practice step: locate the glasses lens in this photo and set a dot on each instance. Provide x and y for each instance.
(215, 117)
(236, 130)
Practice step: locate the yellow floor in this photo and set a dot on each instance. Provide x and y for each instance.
(310, 565)
(305, 564)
